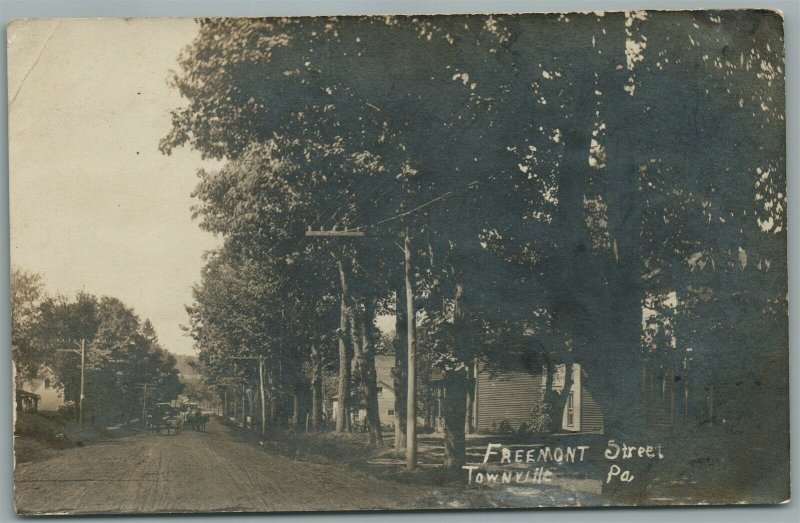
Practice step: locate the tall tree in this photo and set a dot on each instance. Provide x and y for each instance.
(121, 354)
(535, 169)
(27, 293)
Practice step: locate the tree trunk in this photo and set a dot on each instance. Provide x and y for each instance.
(316, 388)
(596, 291)
(624, 363)
(455, 392)
(241, 413)
(555, 399)
(369, 377)
(358, 357)
(243, 408)
(262, 397)
(455, 413)
(400, 374)
(620, 369)
(251, 404)
(342, 412)
(240, 408)
(468, 414)
(273, 412)
(470, 398)
(295, 412)
(269, 396)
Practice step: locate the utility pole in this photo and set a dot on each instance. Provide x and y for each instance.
(411, 398)
(83, 372)
(411, 414)
(144, 388)
(263, 396)
(82, 352)
(261, 360)
(144, 407)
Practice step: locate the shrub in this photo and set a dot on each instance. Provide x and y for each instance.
(503, 428)
(541, 419)
(67, 410)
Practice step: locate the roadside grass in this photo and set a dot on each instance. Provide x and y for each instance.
(38, 437)
(353, 449)
(43, 435)
(688, 474)
(703, 472)
(446, 489)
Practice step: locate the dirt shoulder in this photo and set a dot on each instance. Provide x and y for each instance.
(212, 471)
(41, 436)
(352, 451)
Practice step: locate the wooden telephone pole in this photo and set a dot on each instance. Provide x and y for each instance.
(145, 387)
(82, 353)
(411, 405)
(411, 398)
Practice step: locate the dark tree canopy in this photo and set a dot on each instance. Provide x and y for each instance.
(615, 198)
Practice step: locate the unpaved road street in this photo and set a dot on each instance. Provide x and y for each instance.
(195, 472)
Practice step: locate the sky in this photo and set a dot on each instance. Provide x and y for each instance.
(94, 205)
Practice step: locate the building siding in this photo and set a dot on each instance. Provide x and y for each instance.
(591, 414)
(47, 386)
(511, 396)
(507, 397)
(659, 393)
(383, 371)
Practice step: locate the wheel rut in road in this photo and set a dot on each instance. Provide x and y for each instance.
(208, 471)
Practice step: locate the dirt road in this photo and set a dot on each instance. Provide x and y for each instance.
(195, 472)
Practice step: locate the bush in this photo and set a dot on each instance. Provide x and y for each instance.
(68, 410)
(37, 426)
(504, 427)
(541, 419)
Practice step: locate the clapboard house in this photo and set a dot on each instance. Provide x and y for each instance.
(42, 392)
(502, 400)
(384, 367)
(506, 399)
(678, 397)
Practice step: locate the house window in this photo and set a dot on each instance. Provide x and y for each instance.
(380, 389)
(571, 409)
(391, 412)
(47, 383)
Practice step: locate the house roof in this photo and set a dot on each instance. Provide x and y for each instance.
(24, 393)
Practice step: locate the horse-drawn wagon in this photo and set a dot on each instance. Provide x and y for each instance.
(193, 417)
(165, 418)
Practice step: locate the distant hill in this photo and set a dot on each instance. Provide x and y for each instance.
(185, 369)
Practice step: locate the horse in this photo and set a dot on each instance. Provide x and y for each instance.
(201, 421)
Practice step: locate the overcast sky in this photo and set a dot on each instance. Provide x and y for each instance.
(94, 205)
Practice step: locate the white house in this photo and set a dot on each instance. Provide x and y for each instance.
(47, 386)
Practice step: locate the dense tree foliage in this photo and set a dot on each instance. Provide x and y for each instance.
(122, 353)
(614, 199)
(27, 292)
